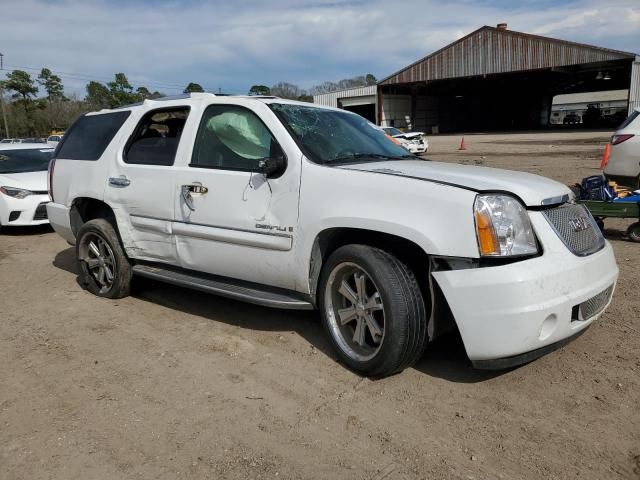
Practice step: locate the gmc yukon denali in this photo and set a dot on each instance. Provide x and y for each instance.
(291, 205)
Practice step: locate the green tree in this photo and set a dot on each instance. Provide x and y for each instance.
(260, 90)
(143, 93)
(370, 79)
(25, 88)
(98, 96)
(193, 87)
(52, 84)
(22, 84)
(121, 91)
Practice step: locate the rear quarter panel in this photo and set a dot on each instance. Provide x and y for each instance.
(83, 178)
(625, 156)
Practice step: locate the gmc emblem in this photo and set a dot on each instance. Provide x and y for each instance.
(579, 224)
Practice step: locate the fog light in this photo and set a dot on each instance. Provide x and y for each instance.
(548, 326)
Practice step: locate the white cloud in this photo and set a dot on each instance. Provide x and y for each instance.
(166, 44)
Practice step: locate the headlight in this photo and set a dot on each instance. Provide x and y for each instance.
(16, 192)
(503, 227)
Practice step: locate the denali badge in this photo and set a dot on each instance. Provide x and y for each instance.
(579, 224)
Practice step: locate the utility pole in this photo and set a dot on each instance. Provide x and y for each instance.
(4, 113)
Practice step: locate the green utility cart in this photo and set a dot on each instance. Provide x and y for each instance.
(601, 210)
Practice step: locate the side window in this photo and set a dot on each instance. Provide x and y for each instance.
(232, 138)
(156, 138)
(90, 135)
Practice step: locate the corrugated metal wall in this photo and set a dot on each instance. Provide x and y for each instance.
(331, 99)
(634, 88)
(490, 50)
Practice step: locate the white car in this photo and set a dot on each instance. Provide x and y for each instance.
(291, 205)
(624, 162)
(23, 184)
(415, 142)
(54, 140)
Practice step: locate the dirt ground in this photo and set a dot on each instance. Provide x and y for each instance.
(170, 383)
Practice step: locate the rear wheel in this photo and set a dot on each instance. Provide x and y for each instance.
(373, 310)
(104, 269)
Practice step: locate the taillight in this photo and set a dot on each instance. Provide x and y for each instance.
(52, 165)
(618, 139)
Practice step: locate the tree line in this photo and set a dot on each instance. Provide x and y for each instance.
(294, 92)
(29, 114)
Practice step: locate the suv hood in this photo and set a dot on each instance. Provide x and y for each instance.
(533, 190)
(34, 181)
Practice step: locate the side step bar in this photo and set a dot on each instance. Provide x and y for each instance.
(238, 290)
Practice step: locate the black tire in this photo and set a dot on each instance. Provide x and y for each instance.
(600, 223)
(114, 260)
(634, 232)
(403, 317)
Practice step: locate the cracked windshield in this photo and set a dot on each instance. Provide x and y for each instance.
(333, 137)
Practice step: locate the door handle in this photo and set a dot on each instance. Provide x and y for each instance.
(187, 190)
(120, 181)
(195, 188)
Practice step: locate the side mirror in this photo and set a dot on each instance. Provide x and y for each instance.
(271, 165)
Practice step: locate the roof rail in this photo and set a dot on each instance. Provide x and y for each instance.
(168, 98)
(181, 96)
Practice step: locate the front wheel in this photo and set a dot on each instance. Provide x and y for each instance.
(103, 267)
(373, 310)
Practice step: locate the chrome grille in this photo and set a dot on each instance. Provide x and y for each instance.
(595, 305)
(576, 227)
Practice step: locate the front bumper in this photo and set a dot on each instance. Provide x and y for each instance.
(21, 212)
(523, 307)
(415, 148)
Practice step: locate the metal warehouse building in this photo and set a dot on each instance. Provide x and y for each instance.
(497, 79)
(361, 100)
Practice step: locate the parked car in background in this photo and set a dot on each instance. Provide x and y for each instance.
(23, 184)
(624, 162)
(292, 205)
(571, 119)
(415, 142)
(54, 140)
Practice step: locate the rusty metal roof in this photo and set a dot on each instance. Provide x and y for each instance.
(490, 50)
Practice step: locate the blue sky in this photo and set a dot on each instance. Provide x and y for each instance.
(164, 44)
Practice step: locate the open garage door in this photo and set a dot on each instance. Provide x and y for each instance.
(363, 106)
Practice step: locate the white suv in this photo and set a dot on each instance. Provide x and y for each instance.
(624, 163)
(291, 205)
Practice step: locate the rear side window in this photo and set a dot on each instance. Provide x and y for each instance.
(635, 114)
(156, 138)
(90, 135)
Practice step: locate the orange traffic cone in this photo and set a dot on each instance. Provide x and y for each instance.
(462, 147)
(605, 156)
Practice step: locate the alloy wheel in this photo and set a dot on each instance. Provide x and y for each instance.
(355, 311)
(100, 261)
